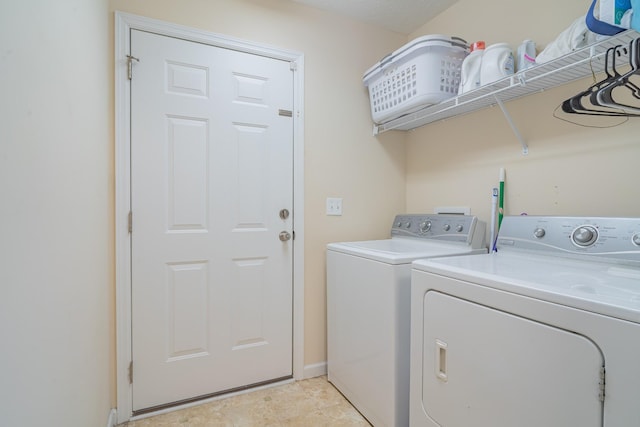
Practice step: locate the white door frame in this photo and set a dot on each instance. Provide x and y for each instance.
(123, 24)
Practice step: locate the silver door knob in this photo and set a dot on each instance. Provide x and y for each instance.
(284, 214)
(284, 236)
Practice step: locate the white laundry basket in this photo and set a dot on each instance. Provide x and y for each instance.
(424, 72)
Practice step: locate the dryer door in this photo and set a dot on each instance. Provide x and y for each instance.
(487, 368)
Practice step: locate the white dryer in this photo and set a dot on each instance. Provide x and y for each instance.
(545, 332)
(368, 309)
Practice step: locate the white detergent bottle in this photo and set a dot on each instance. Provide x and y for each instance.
(526, 55)
(497, 63)
(470, 70)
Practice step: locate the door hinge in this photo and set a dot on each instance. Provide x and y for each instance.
(602, 384)
(130, 219)
(130, 60)
(131, 372)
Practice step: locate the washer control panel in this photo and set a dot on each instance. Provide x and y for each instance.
(611, 238)
(453, 228)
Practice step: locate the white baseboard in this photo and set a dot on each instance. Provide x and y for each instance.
(315, 370)
(113, 418)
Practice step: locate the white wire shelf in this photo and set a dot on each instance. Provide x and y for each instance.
(573, 66)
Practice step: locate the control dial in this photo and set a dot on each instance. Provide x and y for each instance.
(584, 236)
(636, 239)
(446, 227)
(539, 232)
(459, 228)
(425, 226)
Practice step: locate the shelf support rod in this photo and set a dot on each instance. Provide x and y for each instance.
(525, 147)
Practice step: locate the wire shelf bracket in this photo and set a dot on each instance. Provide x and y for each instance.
(514, 128)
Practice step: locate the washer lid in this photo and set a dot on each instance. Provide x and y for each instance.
(399, 250)
(600, 287)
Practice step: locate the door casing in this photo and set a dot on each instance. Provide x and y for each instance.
(124, 22)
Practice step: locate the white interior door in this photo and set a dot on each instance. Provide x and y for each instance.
(211, 169)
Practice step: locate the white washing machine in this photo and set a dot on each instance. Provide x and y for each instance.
(545, 332)
(368, 309)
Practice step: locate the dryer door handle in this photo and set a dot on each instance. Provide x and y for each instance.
(441, 361)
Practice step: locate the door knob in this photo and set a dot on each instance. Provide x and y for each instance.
(284, 236)
(284, 214)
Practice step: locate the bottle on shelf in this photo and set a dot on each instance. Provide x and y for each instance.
(526, 55)
(497, 63)
(470, 70)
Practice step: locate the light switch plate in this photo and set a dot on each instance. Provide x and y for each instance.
(334, 206)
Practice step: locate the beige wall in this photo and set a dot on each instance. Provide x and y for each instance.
(342, 158)
(570, 170)
(56, 168)
(56, 234)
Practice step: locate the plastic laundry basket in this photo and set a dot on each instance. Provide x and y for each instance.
(423, 72)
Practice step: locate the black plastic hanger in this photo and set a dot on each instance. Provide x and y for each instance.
(581, 102)
(604, 96)
(588, 103)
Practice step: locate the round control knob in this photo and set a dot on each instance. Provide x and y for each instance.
(459, 228)
(539, 232)
(425, 226)
(585, 235)
(636, 239)
(447, 227)
(408, 225)
(399, 224)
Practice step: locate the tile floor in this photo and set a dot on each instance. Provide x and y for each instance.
(309, 403)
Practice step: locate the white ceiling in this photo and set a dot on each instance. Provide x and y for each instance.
(402, 16)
